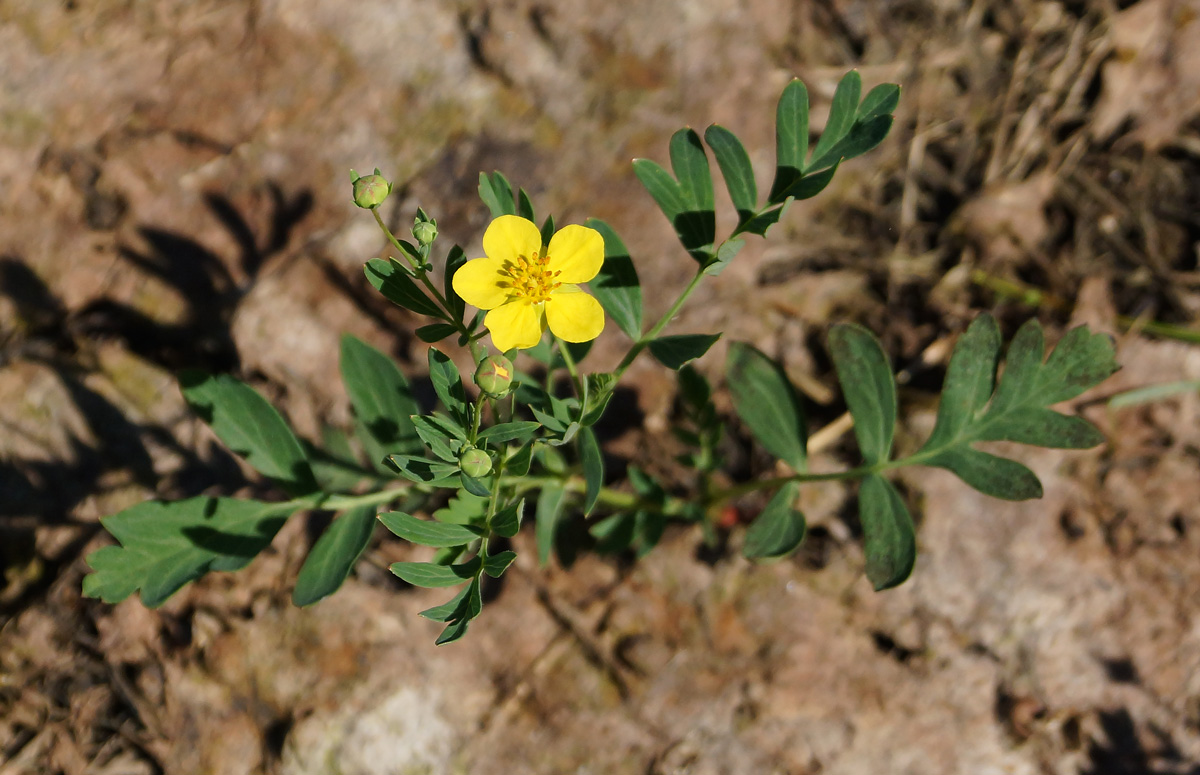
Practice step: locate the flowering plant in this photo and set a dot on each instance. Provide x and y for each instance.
(458, 479)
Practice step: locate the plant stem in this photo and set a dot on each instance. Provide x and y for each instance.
(650, 335)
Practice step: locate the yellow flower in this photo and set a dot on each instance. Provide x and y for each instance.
(526, 288)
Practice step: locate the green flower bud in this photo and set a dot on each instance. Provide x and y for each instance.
(475, 462)
(371, 190)
(425, 232)
(494, 375)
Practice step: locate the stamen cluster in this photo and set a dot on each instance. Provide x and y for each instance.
(531, 279)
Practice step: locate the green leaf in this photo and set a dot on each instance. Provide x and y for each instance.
(381, 398)
(1018, 410)
(791, 138)
(616, 287)
(423, 470)
(662, 187)
(455, 608)
(454, 261)
(760, 223)
(390, 279)
(674, 351)
(841, 114)
(425, 532)
(449, 387)
(476, 486)
(808, 186)
(778, 530)
(439, 436)
(725, 254)
(165, 545)
(696, 225)
(866, 378)
(334, 555)
(600, 389)
(550, 505)
(520, 430)
(593, 468)
(246, 423)
(880, 101)
(992, 475)
(519, 461)
(431, 576)
(463, 509)
(497, 194)
(863, 137)
(525, 208)
(766, 402)
(436, 332)
(614, 533)
(648, 528)
(690, 165)
(547, 229)
(507, 522)
(495, 565)
(969, 381)
(735, 168)
(890, 542)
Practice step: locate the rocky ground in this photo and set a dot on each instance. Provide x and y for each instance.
(174, 192)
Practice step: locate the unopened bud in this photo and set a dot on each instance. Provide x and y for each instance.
(371, 190)
(494, 375)
(425, 232)
(475, 462)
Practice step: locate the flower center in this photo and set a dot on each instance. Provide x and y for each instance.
(530, 278)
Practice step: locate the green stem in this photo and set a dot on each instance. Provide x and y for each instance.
(650, 335)
(572, 369)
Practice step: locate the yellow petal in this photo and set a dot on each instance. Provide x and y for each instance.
(573, 315)
(577, 252)
(510, 237)
(517, 324)
(481, 283)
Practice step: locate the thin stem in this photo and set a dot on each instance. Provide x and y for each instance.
(572, 369)
(650, 335)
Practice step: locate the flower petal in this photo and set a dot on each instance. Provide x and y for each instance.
(573, 315)
(481, 284)
(517, 324)
(510, 237)
(577, 252)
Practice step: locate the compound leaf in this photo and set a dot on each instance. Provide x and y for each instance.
(890, 541)
(866, 378)
(766, 402)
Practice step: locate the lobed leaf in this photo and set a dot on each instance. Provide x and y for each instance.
(975, 408)
(165, 545)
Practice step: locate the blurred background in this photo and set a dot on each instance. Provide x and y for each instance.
(175, 192)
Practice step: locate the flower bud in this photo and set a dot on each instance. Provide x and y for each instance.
(494, 375)
(425, 232)
(475, 462)
(371, 190)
